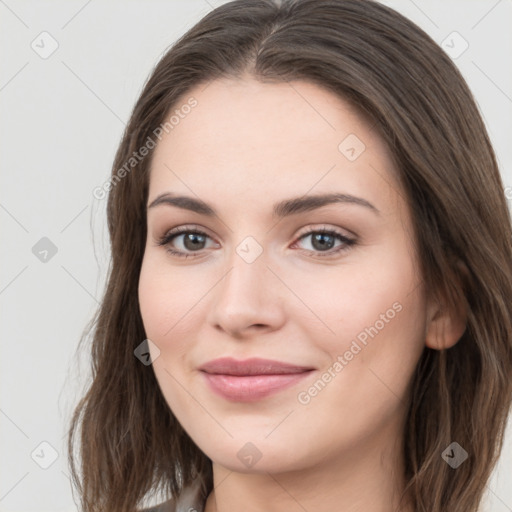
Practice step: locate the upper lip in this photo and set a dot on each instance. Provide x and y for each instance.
(253, 366)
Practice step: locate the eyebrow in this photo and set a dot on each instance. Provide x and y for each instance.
(282, 209)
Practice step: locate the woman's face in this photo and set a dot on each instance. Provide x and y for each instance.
(342, 315)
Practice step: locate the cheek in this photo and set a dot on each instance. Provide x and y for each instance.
(166, 301)
(371, 333)
(169, 298)
(379, 320)
(373, 295)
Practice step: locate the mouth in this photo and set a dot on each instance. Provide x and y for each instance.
(251, 379)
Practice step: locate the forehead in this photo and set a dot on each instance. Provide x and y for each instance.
(260, 139)
(240, 114)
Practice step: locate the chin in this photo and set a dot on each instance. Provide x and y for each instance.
(259, 456)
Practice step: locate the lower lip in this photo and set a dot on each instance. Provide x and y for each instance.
(253, 387)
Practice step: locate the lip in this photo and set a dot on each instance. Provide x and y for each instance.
(251, 379)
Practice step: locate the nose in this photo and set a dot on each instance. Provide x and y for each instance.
(248, 299)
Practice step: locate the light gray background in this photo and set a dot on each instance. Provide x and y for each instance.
(61, 121)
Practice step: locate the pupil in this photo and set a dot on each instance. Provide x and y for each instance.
(193, 238)
(320, 239)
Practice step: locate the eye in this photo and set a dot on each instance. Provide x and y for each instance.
(193, 240)
(323, 240)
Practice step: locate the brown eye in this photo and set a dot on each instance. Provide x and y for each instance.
(188, 240)
(323, 241)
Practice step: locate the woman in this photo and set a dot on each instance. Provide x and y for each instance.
(310, 299)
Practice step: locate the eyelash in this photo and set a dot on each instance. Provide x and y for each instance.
(348, 242)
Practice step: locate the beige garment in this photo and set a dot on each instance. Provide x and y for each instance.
(191, 500)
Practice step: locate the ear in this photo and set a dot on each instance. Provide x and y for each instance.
(445, 326)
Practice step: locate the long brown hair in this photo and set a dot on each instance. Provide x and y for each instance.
(130, 442)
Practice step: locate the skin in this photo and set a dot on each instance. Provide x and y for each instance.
(244, 147)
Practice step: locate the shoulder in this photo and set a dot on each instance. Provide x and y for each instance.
(168, 506)
(190, 500)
